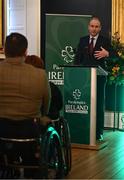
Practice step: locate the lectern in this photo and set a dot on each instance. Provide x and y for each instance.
(80, 95)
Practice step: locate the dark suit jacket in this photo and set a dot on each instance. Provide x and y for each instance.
(82, 54)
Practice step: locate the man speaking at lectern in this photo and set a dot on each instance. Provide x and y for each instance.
(93, 49)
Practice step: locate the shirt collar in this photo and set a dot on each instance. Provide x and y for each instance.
(15, 60)
(95, 37)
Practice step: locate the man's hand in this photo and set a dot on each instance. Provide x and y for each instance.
(101, 54)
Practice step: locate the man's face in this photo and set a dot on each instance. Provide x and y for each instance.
(94, 27)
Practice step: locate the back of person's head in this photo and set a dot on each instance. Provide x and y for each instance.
(34, 61)
(15, 45)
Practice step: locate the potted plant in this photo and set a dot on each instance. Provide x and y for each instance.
(115, 81)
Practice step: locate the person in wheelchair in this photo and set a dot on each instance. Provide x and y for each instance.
(23, 90)
(54, 114)
(56, 103)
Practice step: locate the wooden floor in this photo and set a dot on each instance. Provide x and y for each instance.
(107, 163)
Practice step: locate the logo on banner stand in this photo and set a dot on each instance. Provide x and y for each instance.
(76, 94)
(57, 75)
(76, 105)
(68, 54)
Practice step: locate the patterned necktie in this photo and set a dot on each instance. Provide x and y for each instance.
(91, 46)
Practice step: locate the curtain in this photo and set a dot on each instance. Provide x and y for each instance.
(1, 23)
(118, 18)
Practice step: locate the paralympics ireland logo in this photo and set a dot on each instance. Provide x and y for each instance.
(76, 105)
(68, 54)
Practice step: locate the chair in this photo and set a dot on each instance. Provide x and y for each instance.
(48, 154)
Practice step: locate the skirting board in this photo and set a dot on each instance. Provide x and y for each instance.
(99, 145)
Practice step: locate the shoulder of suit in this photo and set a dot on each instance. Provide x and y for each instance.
(103, 37)
(85, 37)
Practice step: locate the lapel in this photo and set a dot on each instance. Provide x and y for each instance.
(87, 40)
(98, 43)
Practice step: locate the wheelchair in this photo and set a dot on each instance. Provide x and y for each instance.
(63, 130)
(51, 154)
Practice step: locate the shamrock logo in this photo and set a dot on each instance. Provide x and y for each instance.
(122, 120)
(76, 94)
(68, 54)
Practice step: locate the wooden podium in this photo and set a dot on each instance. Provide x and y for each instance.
(80, 95)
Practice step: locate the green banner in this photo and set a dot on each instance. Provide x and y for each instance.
(77, 99)
(62, 36)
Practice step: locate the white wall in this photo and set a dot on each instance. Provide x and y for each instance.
(23, 16)
(33, 26)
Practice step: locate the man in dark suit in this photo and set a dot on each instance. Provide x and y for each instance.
(94, 49)
(101, 46)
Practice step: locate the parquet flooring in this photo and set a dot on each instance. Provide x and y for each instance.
(107, 163)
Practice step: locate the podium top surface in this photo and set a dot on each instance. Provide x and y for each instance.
(100, 70)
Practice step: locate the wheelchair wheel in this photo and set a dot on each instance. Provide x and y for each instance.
(8, 173)
(52, 154)
(64, 132)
